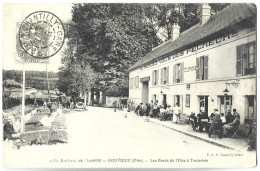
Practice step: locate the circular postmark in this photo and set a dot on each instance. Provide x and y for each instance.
(41, 34)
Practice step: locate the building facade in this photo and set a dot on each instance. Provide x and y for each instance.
(210, 66)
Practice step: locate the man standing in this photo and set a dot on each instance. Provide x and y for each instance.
(114, 105)
(151, 109)
(176, 112)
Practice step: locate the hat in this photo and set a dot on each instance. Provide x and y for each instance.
(217, 114)
(10, 117)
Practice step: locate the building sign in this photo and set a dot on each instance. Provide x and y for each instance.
(197, 48)
(234, 83)
(187, 102)
(187, 86)
(189, 69)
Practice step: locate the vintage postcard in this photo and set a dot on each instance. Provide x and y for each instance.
(129, 85)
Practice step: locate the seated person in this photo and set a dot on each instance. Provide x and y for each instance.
(10, 134)
(193, 121)
(212, 115)
(142, 109)
(229, 129)
(201, 124)
(229, 117)
(223, 118)
(148, 108)
(216, 124)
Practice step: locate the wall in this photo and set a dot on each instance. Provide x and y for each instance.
(222, 69)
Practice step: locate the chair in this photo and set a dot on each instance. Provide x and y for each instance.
(192, 124)
(235, 135)
(217, 130)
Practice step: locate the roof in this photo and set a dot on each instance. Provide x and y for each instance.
(227, 18)
(12, 83)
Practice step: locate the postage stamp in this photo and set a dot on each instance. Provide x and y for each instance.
(22, 56)
(41, 34)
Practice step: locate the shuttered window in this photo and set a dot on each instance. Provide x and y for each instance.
(164, 75)
(131, 83)
(239, 60)
(202, 68)
(137, 81)
(167, 75)
(155, 77)
(205, 67)
(246, 59)
(178, 73)
(161, 78)
(181, 72)
(174, 74)
(197, 68)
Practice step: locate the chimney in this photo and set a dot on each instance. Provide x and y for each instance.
(205, 13)
(175, 31)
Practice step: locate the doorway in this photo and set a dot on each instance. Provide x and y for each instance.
(164, 98)
(203, 103)
(222, 100)
(178, 99)
(145, 92)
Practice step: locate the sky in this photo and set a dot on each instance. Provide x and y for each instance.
(14, 13)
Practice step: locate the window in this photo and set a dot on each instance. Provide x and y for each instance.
(178, 73)
(202, 68)
(164, 75)
(246, 59)
(187, 102)
(137, 82)
(155, 76)
(131, 83)
(250, 107)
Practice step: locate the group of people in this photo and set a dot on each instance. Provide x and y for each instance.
(145, 110)
(227, 125)
(162, 112)
(117, 104)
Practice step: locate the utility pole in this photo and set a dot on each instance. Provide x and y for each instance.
(48, 83)
(23, 100)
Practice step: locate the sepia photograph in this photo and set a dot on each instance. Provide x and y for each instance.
(129, 85)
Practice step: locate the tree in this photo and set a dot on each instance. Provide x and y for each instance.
(107, 37)
(110, 38)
